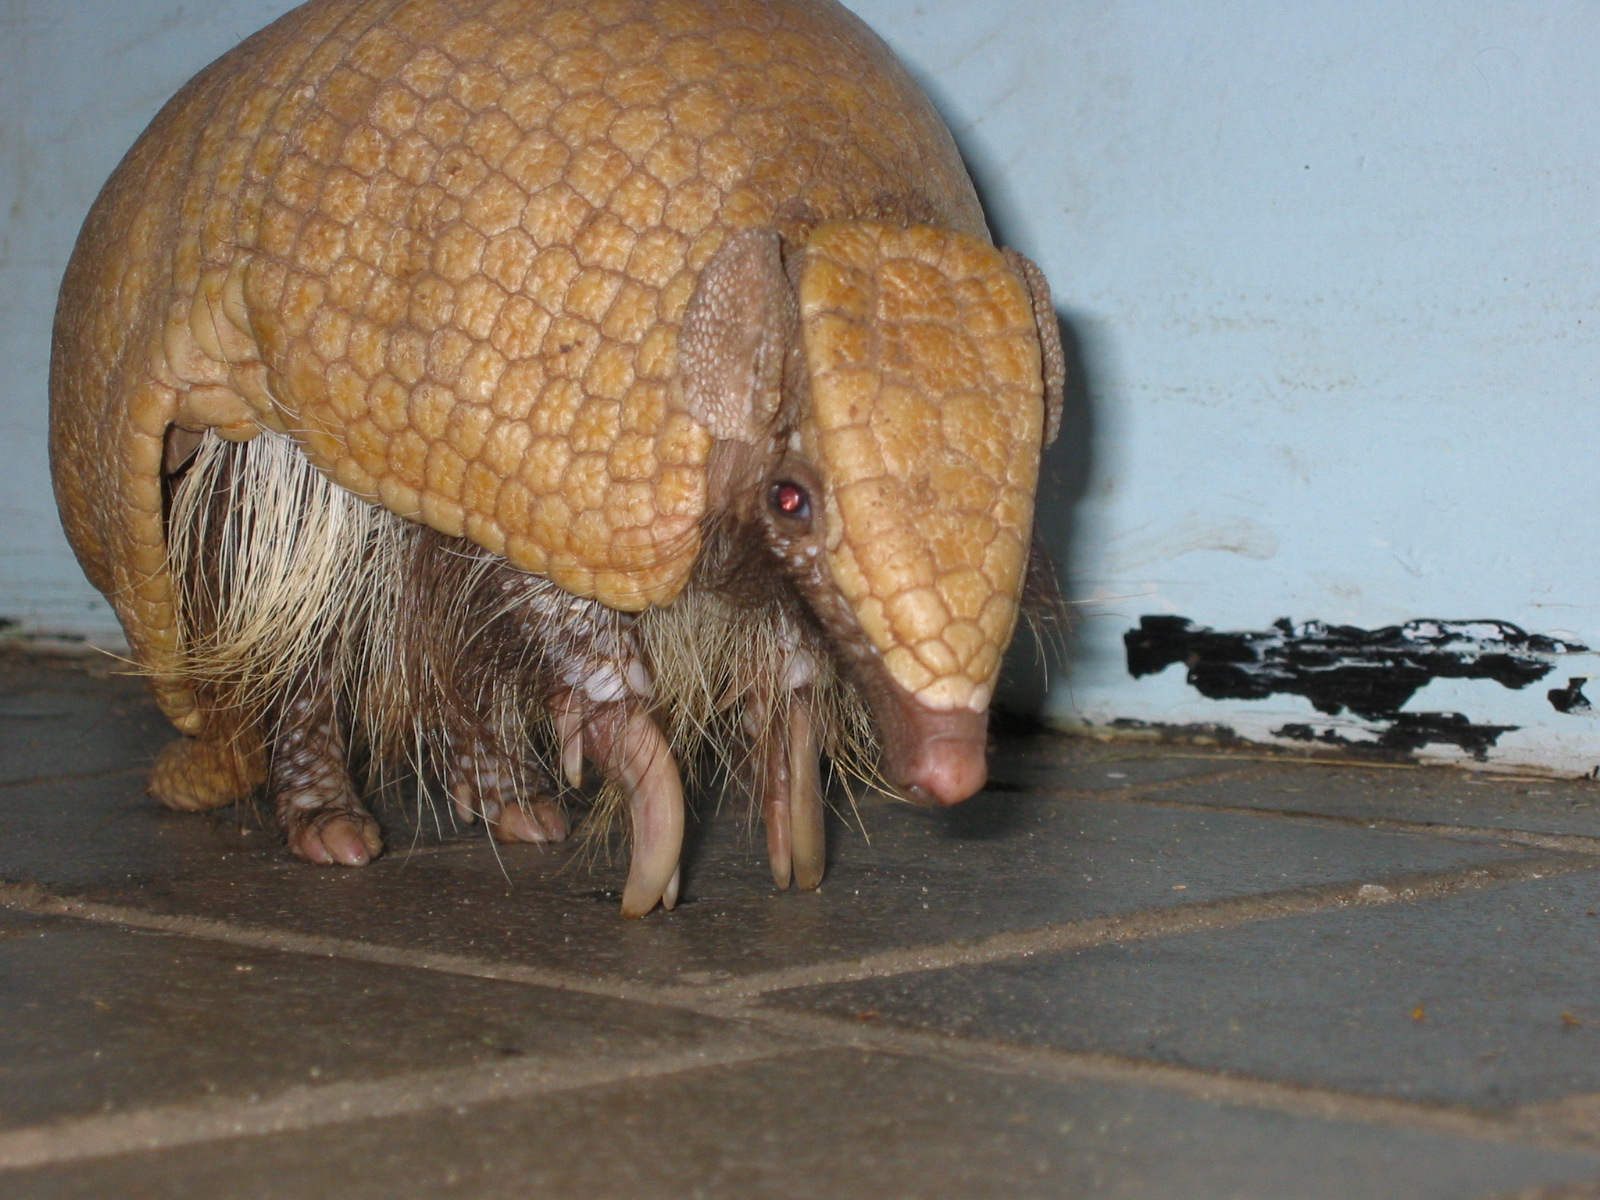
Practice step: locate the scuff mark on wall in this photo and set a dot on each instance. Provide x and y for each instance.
(1154, 543)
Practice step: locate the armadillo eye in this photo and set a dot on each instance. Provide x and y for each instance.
(790, 500)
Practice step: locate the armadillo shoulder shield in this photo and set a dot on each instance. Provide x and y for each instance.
(447, 248)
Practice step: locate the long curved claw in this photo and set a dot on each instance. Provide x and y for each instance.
(792, 802)
(630, 748)
(806, 829)
(775, 815)
(569, 732)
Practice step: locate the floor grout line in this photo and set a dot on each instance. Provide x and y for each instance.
(1525, 1126)
(1139, 925)
(1579, 1114)
(1145, 924)
(1288, 756)
(308, 1106)
(303, 1107)
(37, 901)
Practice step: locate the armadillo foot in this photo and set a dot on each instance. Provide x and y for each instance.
(310, 785)
(529, 821)
(791, 802)
(628, 746)
(193, 774)
(489, 785)
(336, 837)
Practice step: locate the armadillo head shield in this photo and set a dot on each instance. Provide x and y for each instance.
(899, 488)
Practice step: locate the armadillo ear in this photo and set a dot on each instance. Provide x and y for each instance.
(1055, 362)
(735, 332)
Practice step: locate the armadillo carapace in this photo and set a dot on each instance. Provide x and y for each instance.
(497, 385)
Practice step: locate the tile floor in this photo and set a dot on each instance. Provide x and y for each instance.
(1126, 970)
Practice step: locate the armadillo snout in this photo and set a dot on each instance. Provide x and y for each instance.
(937, 758)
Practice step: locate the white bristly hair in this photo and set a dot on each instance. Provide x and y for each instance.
(285, 581)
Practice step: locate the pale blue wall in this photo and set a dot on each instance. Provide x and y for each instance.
(1329, 264)
(78, 80)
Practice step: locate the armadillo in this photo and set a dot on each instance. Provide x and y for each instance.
(500, 386)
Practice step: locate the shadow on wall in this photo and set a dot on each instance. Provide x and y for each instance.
(1037, 659)
(1033, 662)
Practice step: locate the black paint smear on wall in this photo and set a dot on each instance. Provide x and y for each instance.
(1370, 672)
(1410, 733)
(1570, 699)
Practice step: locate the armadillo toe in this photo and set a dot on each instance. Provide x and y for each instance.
(334, 837)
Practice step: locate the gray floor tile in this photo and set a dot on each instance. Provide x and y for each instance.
(1079, 764)
(1424, 794)
(1485, 999)
(60, 719)
(99, 1020)
(837, 1124)
(96, 1019)
(1000, 862)
(89, 673)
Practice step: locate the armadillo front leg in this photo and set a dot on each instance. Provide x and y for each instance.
(511, 795)
(309, 782)
(599, 699)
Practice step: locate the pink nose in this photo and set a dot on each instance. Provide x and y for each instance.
(942, 758)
